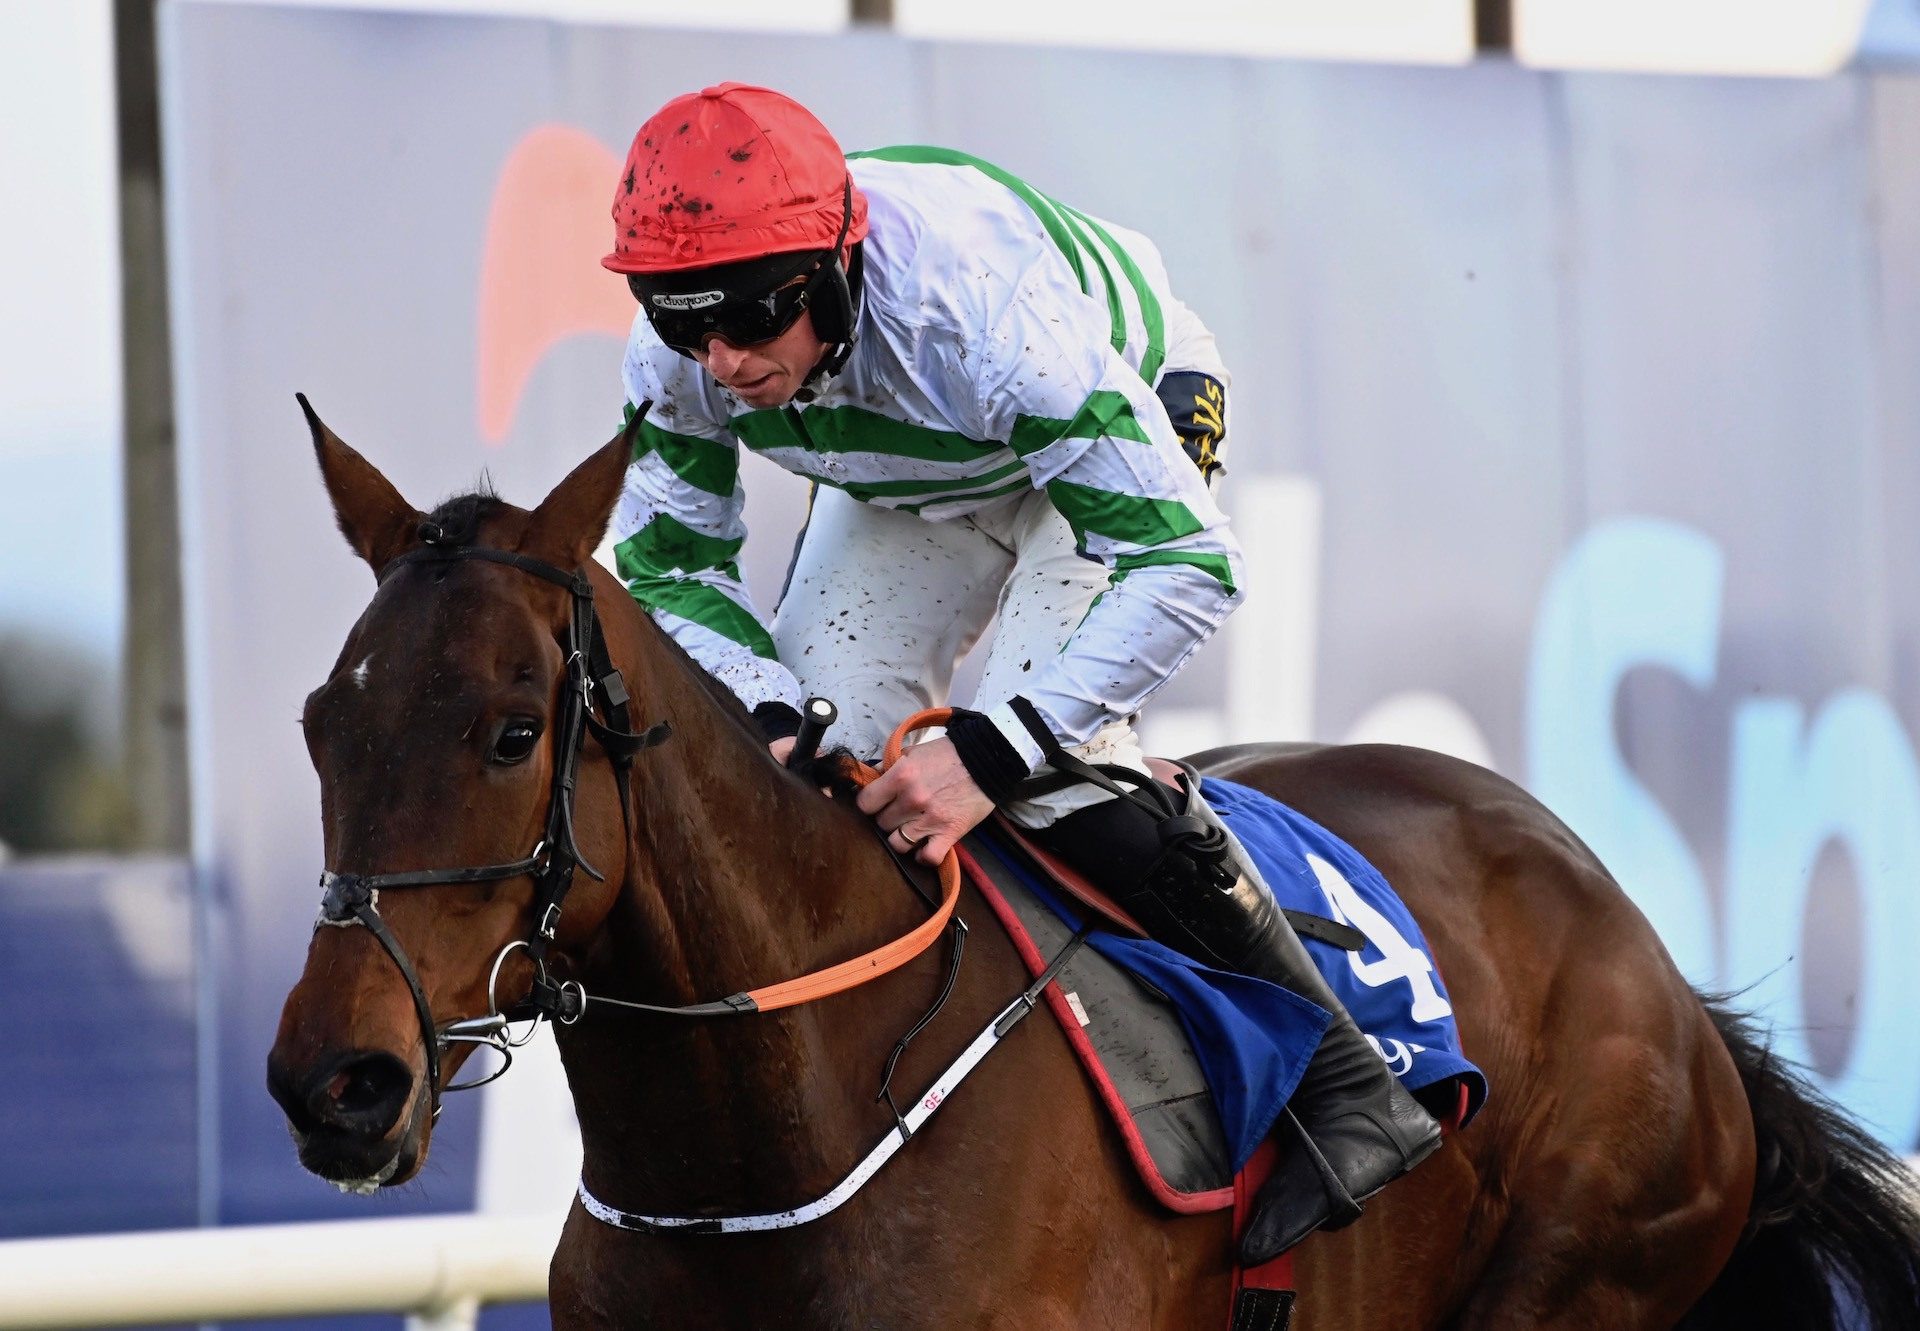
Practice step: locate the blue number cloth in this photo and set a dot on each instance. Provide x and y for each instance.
(1253, 1039)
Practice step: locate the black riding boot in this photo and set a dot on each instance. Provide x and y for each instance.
(1353, 1128)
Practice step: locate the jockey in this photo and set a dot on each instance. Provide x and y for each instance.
(1003, 409)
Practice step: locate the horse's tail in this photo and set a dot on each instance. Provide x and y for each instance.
(1833, 1235)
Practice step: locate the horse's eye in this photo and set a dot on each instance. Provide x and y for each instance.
(516, 741)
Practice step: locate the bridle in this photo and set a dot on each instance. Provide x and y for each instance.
(353, 899)
(350, 899)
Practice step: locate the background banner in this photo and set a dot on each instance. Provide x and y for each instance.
(1573, 424)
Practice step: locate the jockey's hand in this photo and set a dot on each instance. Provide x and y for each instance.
(926, 801)
(780, 748)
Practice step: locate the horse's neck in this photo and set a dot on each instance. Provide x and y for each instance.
(740, 877)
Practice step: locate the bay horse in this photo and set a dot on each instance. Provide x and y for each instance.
(1643, 1161)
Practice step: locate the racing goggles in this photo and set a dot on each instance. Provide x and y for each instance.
(743, 304)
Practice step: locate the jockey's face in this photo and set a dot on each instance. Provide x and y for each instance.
(766, 374)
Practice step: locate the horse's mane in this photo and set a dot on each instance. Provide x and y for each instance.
(722, 696)
(457, 521)
(830, 769)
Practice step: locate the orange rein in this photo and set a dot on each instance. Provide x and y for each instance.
(872, 965)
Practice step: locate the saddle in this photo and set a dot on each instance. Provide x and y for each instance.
(1137, 1043)
(1127, 1036)
(1127, 1033)
(1137, 1057)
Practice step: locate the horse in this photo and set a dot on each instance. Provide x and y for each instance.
(1643, 1161)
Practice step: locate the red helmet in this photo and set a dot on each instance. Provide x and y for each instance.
(730, 173)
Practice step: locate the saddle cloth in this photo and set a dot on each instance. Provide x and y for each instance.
(1194, 1065)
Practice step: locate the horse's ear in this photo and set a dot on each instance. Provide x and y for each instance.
(376, 521)
(571, 522)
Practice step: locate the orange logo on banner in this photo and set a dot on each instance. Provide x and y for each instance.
(540, 276)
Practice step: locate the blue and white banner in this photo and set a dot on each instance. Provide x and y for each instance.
(1574, 422)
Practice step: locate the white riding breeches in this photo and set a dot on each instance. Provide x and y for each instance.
(880, 606)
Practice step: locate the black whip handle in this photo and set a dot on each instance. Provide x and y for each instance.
(815, 716)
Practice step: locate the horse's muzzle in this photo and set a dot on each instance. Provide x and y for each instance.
(343, 1112)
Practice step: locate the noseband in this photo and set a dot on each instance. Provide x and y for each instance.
(353, 899)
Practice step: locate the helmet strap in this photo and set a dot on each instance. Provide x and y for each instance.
(848, 314)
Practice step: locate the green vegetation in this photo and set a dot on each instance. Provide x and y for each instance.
(61, 784)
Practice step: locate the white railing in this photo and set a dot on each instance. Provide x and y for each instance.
(436, 1269)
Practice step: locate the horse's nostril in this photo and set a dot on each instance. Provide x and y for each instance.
(354, 1091)
(365, 1094)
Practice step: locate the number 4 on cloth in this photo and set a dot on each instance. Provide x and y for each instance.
(1400, 960)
